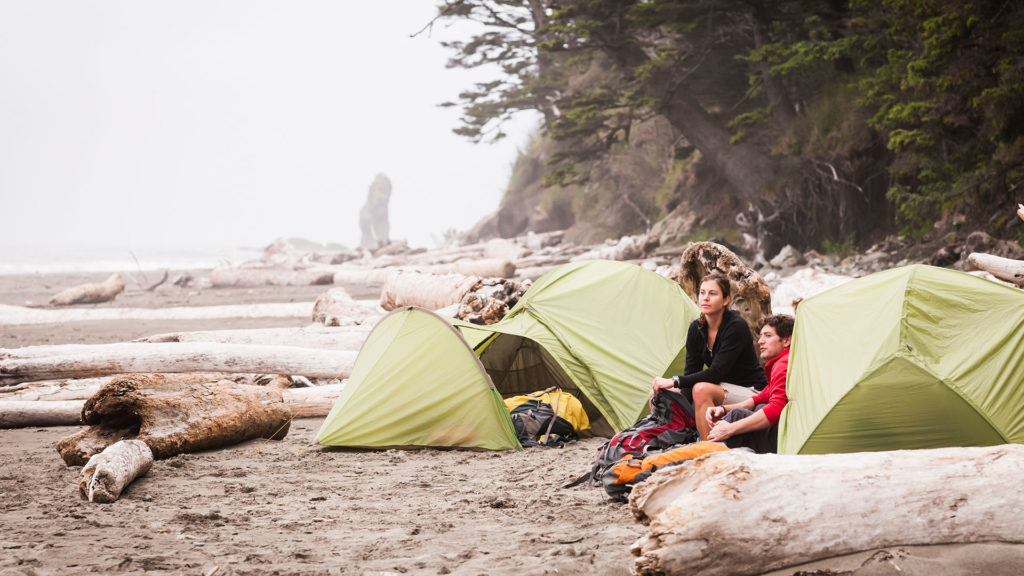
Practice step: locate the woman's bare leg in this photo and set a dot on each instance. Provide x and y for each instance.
(705, 395)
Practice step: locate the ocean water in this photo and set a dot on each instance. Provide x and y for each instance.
(48, 259)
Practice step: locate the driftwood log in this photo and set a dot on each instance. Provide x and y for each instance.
(431, 291)
(713, 516)
(20, 315)
(108, 473)
(336, 308)
(30, 364)
(247, 277)
(751, 296)
(171, 418)
(312, 336)
(90, 293)
(22, 414)
(1005, 269)
(309, 402)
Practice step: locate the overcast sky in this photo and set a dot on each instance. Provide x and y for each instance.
(138, 123)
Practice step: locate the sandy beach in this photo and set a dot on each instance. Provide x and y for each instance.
(292, 507)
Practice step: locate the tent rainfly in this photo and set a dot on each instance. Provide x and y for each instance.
(599, 329)
(914, 357)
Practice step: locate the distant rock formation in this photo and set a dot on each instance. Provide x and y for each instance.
(373, 218)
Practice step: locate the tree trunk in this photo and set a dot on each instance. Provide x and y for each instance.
(171, 418)
(26, 364)
(108, 473)
(90, 293)
(714, 515)
(1005, 269)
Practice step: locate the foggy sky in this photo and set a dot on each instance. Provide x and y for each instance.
(140, 123)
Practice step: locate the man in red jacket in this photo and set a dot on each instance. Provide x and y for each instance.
(753, 423)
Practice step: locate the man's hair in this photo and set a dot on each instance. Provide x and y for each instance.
(781, 323)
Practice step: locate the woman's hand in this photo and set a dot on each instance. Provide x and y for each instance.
(659, 385)
(714, 414)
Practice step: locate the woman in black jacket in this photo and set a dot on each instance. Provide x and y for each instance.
(719, 351)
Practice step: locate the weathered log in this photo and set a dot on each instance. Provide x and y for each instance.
(83, 388)
(363, 277)
(308, 402)
(243, 277)
(711, 516)
(108, 473)
(312, 336)
(751, 296)
(483, 267)
(432, 291)
(90, 293)
(312, 402)
(23, 365)
(21, 414)
(172, 418)
(336, 308)
(1003, 268)
(20, 315)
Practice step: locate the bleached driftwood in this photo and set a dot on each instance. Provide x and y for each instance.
(20, 315)
(309, 402)
(312, 336)
(1005, 269)
(26, 364)
(713, 516)
(312, 402)
(483, 267)
(171, 418)
(108, 473)
(21, 414)
(751, 296)
(432, 291)
(363, 277)
(244, 277)
(90, 293)
(336, 308)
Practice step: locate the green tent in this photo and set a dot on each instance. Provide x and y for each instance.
(915, 357)
(600, 329)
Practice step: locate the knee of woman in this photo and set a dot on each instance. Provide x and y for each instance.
(705, 391)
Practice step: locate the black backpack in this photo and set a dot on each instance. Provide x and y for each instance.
(632, 441)
(535, 424)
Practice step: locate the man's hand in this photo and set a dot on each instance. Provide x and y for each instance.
(721, 431)
(714, 414)
(1020, 211)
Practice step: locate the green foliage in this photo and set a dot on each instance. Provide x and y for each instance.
(842, 248)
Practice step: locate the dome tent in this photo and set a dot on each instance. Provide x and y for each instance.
(598, 328)
(914, 357)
